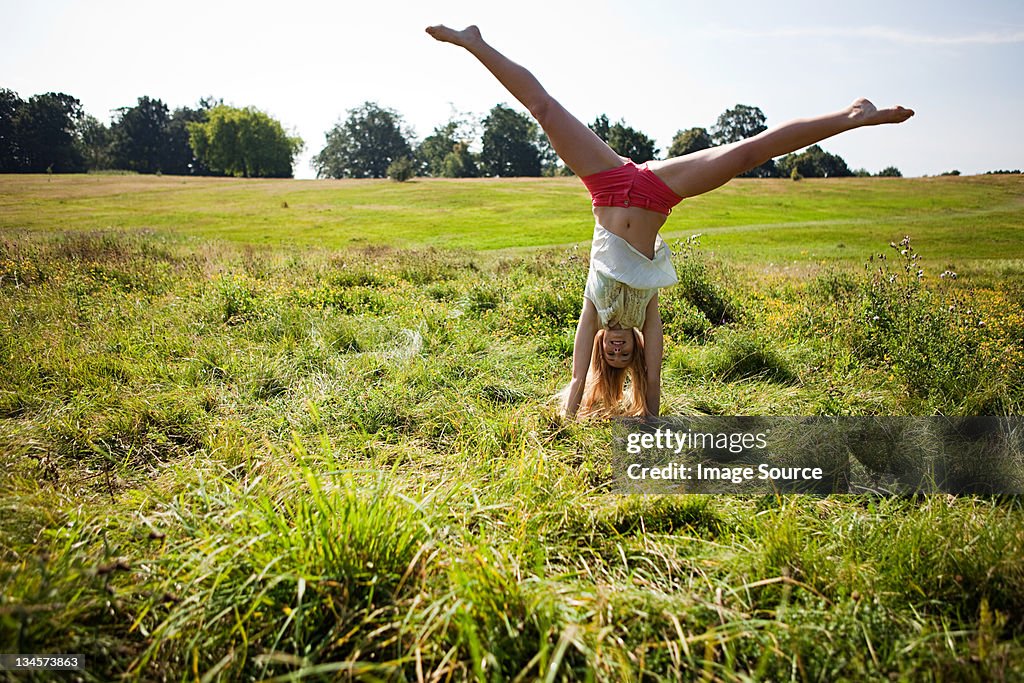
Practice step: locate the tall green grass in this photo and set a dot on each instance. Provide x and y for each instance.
(227, 462)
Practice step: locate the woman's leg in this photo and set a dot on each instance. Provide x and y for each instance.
(578, 146)
(700, 172)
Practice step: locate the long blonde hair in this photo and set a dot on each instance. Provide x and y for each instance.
(604, 394)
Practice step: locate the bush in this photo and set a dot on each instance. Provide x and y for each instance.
(680, 318)
(697, 286)
(930, 339)
(401, 169)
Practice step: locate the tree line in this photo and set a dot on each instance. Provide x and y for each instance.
(51, 133)
(373, 142)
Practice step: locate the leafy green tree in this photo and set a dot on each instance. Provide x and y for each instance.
(550, 164)
(814, 162)
(436, 146)
(140, 137)
(796, 164)
(94, 139)
(460, 163)
(10, 151)
(509, 144)
(364, 145)
(739, 123)
(445, 152)
(147, 138)
(890, 172)
(243, 143)
(42, 133)
(832, 165)
(625, 140)
(689, 141)
(181, 159)
(601, 127)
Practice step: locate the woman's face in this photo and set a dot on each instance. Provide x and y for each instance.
(618, 347)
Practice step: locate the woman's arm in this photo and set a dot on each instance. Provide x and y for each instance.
(654, 342)
(582, 350)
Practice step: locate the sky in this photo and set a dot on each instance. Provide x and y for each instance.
(659, 65)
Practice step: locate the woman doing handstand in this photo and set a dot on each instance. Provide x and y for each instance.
(620, 332)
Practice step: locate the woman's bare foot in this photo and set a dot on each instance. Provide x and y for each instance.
(463, 38)
(864, 113)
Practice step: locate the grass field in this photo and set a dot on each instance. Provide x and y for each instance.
(838, 219)
(299, 430)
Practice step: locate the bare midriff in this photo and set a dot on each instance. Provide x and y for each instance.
(637, 226)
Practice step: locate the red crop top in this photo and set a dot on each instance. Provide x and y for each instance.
(631, 185)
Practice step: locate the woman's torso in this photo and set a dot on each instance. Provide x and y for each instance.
(637, 226)
(622, 279)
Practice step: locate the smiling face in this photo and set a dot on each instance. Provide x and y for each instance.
(618, 347)
(617, 378)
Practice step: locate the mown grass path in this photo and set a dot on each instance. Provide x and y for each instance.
(764, 220)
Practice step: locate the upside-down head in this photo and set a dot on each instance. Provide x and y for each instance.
(618, 355)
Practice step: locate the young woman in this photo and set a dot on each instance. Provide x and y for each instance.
(619, 332)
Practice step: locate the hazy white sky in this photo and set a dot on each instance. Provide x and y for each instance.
(662, 65)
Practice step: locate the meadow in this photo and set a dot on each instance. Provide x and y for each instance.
(298, 430)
